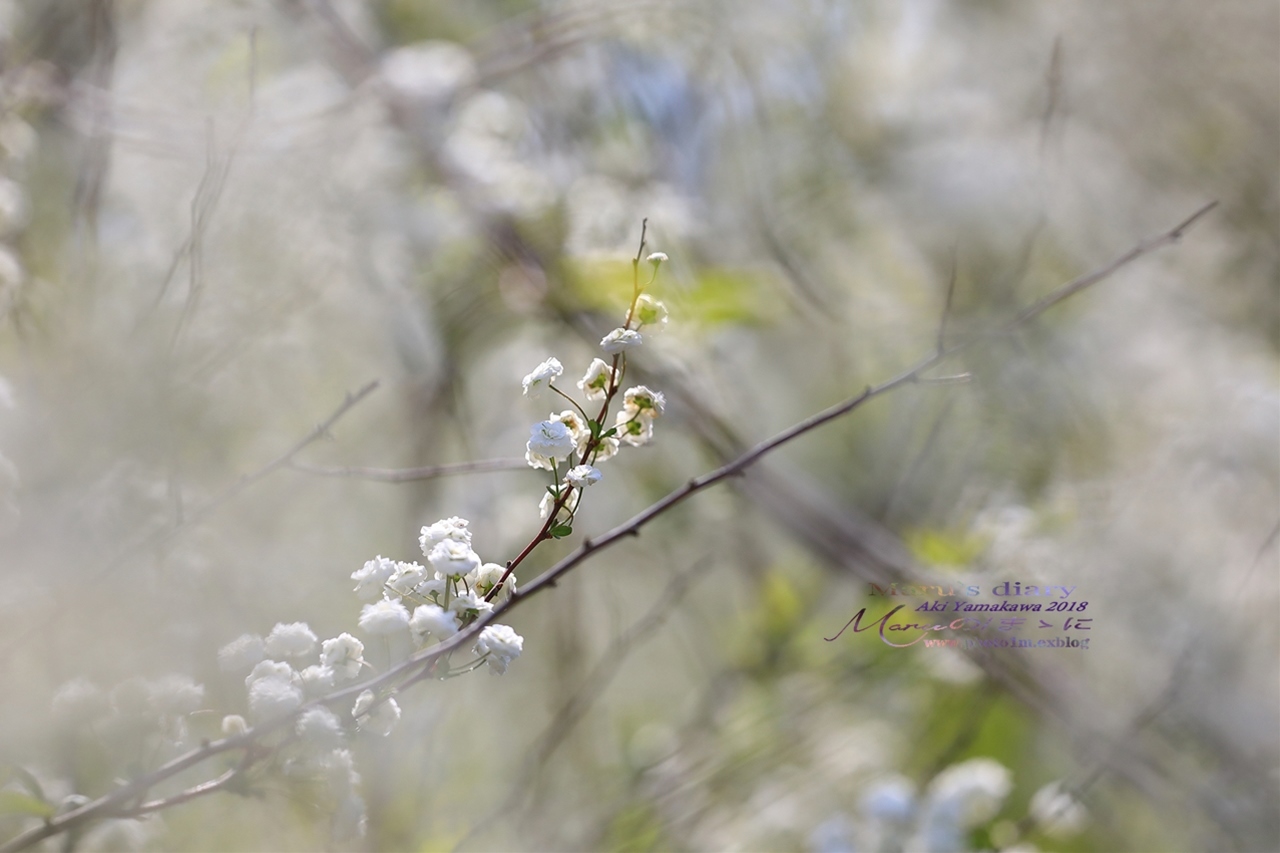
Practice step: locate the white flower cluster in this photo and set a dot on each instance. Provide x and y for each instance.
(891, 815)
(572, 442)
(437, 600)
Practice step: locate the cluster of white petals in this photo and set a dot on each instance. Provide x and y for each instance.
(541, 377)
(596, 382)
(381, 719)
(499, 645)
(621, 340)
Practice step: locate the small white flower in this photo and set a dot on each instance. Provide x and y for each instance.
(543, 375)
(270, 697)
(649, 404)
(317, 679)
(650, 312)
(234, 724)
(582, 476)
(292, 640)
(1059, 814)
(657, 257)
(634, 430)
(433, 620)
(577, 427)
(408, 577)
(79, 701)
(344, 653)
(890, 799)
(371, 579)
(544, 508)
(469, 602)
(606, 449)
(241, 653)
(320, 726)
(384, 617)
(270, 669)
(446, 528)
(595, 383)
(453, 559)
(970, 793)
(621, 340)
(487, 577)
(499, 645)
(176, 694)
(381, 719)
(549, 440)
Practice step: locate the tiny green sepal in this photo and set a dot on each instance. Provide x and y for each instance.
(561, 530)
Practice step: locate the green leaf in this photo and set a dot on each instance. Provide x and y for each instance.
(611, 432)
(554, 492)
(28, 781)
(16, 802)
(595, 429)
(561, 530)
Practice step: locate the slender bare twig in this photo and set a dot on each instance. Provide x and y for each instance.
(170, 532)
(419, 666)
(410, 475)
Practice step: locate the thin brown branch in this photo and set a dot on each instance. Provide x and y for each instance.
(411, 475)
(417, 666)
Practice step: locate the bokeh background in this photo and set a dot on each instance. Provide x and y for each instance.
(219, 218)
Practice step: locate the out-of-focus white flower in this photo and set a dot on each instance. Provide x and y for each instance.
(14, 208)
(11, 272)
(657, 258)
(408, 577)
(320, 726)
(371, 579)
(649, 404)
(291, 640)
(275, 670)
(79, 701)
(651, 312)
(548, 440)
(582, 476)
(433, 620)
(621, 340)
(446, 528)
(384, 617)
(317, 679)
(234, 724)
(635, 430)
(177, 694)
(469, 602)
(500, 645)
(453, 559)
(344, 653)
(242, 653)
(381, 720)
(544, 507)
(971, 792)
(429, 71)
(891, 799)
(269, 697)
(1058, 813)
(541, 377)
